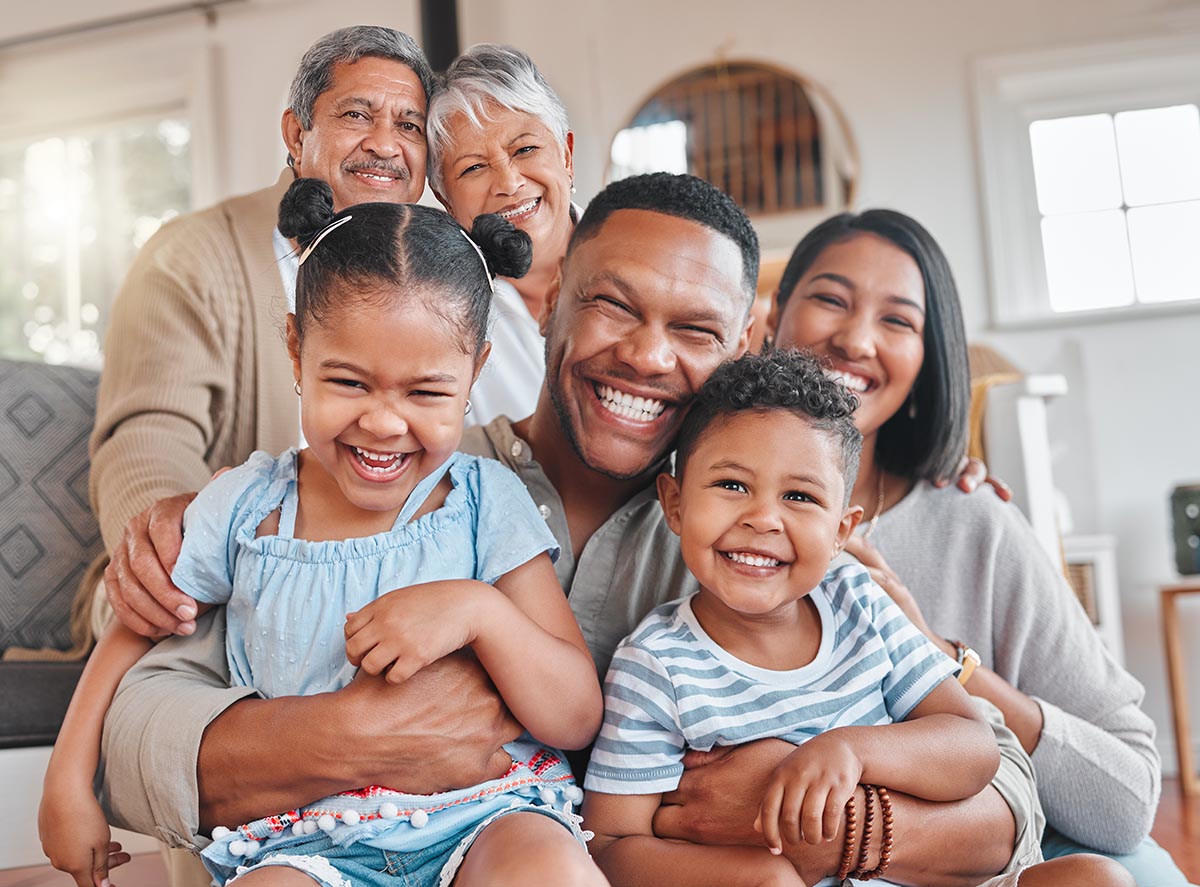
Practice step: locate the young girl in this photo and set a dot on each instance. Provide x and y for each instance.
(388, 335)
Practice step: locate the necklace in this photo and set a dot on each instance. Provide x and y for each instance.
(878, 509)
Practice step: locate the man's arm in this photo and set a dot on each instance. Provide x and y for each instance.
(996, 830)
(185, 752)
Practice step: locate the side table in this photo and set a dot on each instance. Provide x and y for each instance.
(1176, 670)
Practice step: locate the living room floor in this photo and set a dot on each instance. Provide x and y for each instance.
(1177, 828)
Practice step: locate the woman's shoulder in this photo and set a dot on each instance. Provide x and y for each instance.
(982, 508)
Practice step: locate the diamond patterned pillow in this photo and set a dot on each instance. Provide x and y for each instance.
(48, 535)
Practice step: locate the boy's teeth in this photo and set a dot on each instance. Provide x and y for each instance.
(854, 383)
(752, 560)
(628, 406)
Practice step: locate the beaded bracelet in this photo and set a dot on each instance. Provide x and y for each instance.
(885, 847)
(848, 846)
(864, 848)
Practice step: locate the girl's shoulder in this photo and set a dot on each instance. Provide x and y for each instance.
(244, 491)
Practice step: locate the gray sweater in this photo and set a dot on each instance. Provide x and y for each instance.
(979, 576)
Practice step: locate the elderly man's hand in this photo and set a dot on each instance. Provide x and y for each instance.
(138, 577)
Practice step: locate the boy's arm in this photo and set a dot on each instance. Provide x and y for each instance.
(631, 856)
(74, 833)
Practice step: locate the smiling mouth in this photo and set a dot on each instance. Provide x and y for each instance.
(380, 466)
(376, 176)
(748, 559)
(628, 406)
(520, 211)
(857, 384)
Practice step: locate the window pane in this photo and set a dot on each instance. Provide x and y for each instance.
(1160, 154)
(74, 209)
(1087, 261)
(1165, 241)
(1075, 164)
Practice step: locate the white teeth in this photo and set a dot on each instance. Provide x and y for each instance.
(628, 406)
(391, 459)
(752, 560)
(523, 208)
(854, 383)
(367, 175)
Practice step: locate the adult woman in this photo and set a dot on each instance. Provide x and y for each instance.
(499, 143)
(874, 296)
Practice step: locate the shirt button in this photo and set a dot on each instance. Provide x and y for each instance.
(544, 511)
(516, 449)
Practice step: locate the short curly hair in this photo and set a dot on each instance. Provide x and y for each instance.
(777, 379)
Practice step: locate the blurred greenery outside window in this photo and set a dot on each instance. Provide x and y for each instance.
(75, 207)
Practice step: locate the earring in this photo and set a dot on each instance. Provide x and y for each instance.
(912, 405)
(572, 186)
(467, 411)
(297, 387)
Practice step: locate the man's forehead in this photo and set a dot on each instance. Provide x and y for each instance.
(641, 251)
(371, 73)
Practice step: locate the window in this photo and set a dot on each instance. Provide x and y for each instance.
(1119, 196)
(74, 209)
(768, 139)
(1090, 165)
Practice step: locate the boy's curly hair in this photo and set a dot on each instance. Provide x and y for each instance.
(777, 379)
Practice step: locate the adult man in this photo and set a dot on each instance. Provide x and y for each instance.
(654, 293)
(196, 373)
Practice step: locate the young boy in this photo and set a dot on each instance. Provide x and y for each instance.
(773, 645)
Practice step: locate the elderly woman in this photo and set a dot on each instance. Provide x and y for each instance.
(499, 143)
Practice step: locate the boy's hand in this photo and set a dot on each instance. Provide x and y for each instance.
(405, 630)
(807, 794)
(76, 839)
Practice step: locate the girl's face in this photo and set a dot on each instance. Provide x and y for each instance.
(514, 166)
(861, 308)
(384, 388)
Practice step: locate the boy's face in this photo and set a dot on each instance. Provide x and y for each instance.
(760, 509)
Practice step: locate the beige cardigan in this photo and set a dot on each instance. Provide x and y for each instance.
(196, 372)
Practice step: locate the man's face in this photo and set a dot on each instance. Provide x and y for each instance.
(647, 309)
(368, 134)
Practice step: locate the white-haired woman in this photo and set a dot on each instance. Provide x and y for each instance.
(499, 143)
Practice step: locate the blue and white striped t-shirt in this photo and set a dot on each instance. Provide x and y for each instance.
(671, 687)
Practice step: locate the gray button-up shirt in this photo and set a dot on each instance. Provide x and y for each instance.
(629, 566)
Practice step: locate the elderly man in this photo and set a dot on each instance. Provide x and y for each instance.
(196, 375)
(654, 293)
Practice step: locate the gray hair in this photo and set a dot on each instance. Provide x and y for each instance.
(490, 73)
(349, 45)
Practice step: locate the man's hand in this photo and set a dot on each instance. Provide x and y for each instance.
(138, 577)
(442, 729)
(718, 799)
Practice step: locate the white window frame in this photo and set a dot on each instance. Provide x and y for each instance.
(1011, 92)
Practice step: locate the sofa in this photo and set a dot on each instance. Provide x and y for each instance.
(48, 537)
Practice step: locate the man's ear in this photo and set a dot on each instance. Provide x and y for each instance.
(668, 497)
(850, 521)
(743, 344)
(551, 300)
(293, 345)
(293, 137)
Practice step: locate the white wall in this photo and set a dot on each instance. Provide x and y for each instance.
(1130, 429)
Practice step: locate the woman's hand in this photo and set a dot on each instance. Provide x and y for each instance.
(972, 473)
(405, 630)
(76, 838)
(807, 793)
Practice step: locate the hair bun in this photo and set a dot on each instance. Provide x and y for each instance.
(508, 250)
(306, 208)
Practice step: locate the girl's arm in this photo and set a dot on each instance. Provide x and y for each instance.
(943, 751)
(522, 630)
(629, 855)
(75, 835)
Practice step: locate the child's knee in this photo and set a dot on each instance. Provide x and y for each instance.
(1077, 870)
(528, 848)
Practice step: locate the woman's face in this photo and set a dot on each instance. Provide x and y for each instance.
(861, 307)
(515, 167)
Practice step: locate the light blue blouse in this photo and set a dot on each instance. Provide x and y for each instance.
(288, 598)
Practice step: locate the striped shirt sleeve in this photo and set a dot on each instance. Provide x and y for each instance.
(640, 747)
(917, 665)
